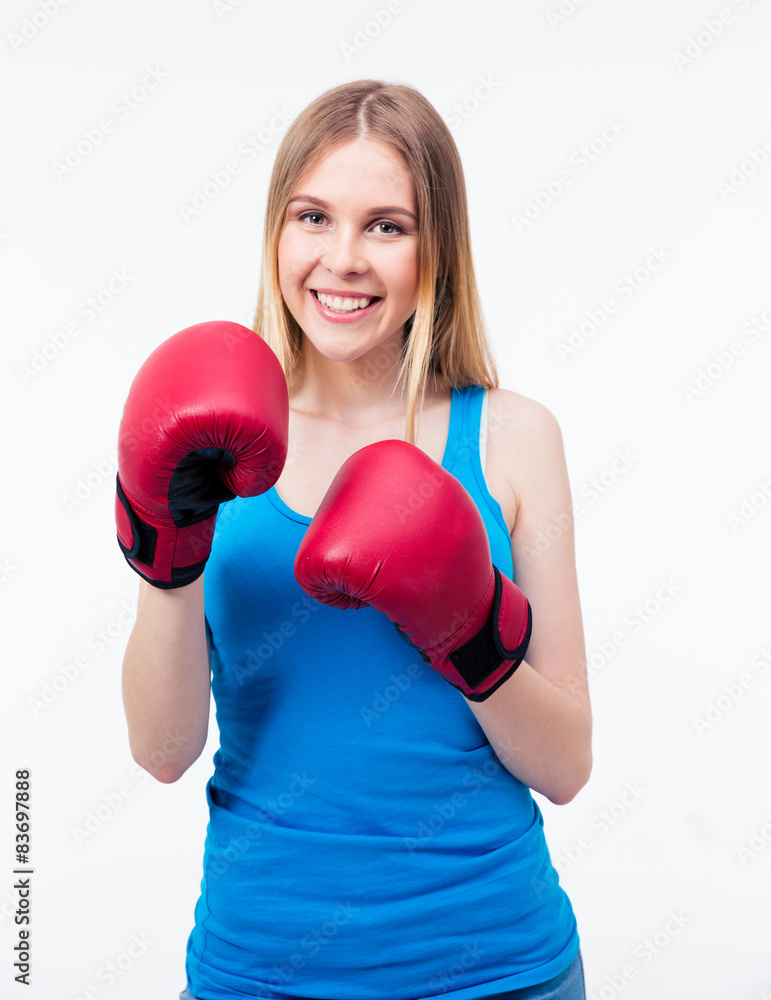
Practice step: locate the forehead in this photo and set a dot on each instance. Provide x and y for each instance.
(360, 171)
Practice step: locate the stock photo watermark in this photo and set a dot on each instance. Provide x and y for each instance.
(706, 34)
(115, 968)
(723, 359)
(750, 506)
(365, 33)
(101, 472)
(224, 7)
(580, 160)
(269, 812)
(86, 311)
(383, 700)
(34, 23)
(444, 812)
(313, 943)
(600, 825)
(462, 110)
(595, 317)
(220, 178)
(644, 953)
(111, 802)
(255, 659)
(69, 672)
(756, 157)
(731, 693)
(757, 842)
(92, 136)
(468, 958)
(589, 492)
(7, 569)
(634, 621)
(556, 16)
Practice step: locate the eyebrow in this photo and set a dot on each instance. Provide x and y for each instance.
(382, 210)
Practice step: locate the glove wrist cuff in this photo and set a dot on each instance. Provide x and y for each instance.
(166, 556)
(493, 652)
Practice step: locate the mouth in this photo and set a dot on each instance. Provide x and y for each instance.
(347, 308)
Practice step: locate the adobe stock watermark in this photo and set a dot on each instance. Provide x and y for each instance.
(595, 317)
(365, 33)
(749, 506)
(86, 311)
(255, 659)
(221, 177)
(757, 842)
(579, 161)
(239, 846)
(111, 802)
(92, 137)
(469, 957)
(444, 812)
(7, 569)
(102, 471)
(707, 33)
(722, 359)
(634, 621)
(741, 172)
(378, 367)
(113, 970)
(34, 23)
(224, 7)
(564, 9)
(461, 110)
(417, 495)
(383, 700)
(731, 693)
(95, 644)
(600, 826)
(644, 953)
(589, 492)
(313, 942)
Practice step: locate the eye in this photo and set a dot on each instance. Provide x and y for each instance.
(307, 216)
(394, 229)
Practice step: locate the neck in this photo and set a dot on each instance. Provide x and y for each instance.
(362, 391)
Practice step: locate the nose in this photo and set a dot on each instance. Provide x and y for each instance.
(343, 252)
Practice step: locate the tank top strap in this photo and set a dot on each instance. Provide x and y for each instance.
(463, 438)
(463, 458)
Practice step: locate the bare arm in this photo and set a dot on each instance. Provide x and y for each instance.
(166, 680)
(540, 721)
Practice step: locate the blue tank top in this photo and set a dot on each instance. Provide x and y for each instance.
(364, 840)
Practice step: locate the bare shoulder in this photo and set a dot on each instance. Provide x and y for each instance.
(525, 452)
(519, 416)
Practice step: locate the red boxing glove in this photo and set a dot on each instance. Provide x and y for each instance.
(397, 532)
(206, 420)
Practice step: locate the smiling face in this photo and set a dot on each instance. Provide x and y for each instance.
(348, 251)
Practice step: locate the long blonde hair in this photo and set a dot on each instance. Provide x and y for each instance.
(445, 336)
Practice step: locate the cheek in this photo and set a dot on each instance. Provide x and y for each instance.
(289, 268)
(295, 260)
(406, 274)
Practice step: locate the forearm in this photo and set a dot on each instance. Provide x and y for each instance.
(166, 680)
(540, 732)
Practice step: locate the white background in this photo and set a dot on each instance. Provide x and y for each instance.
(693, 458)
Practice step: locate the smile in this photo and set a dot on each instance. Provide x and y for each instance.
(338, 304)
(339, 308)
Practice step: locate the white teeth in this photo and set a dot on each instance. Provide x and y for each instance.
(338, 304)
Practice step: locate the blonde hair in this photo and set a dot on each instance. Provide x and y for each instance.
(445, 337)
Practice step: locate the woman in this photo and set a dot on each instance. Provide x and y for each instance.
(372, 832)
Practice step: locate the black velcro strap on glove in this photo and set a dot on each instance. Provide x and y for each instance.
(145, 535)
(484, 652)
